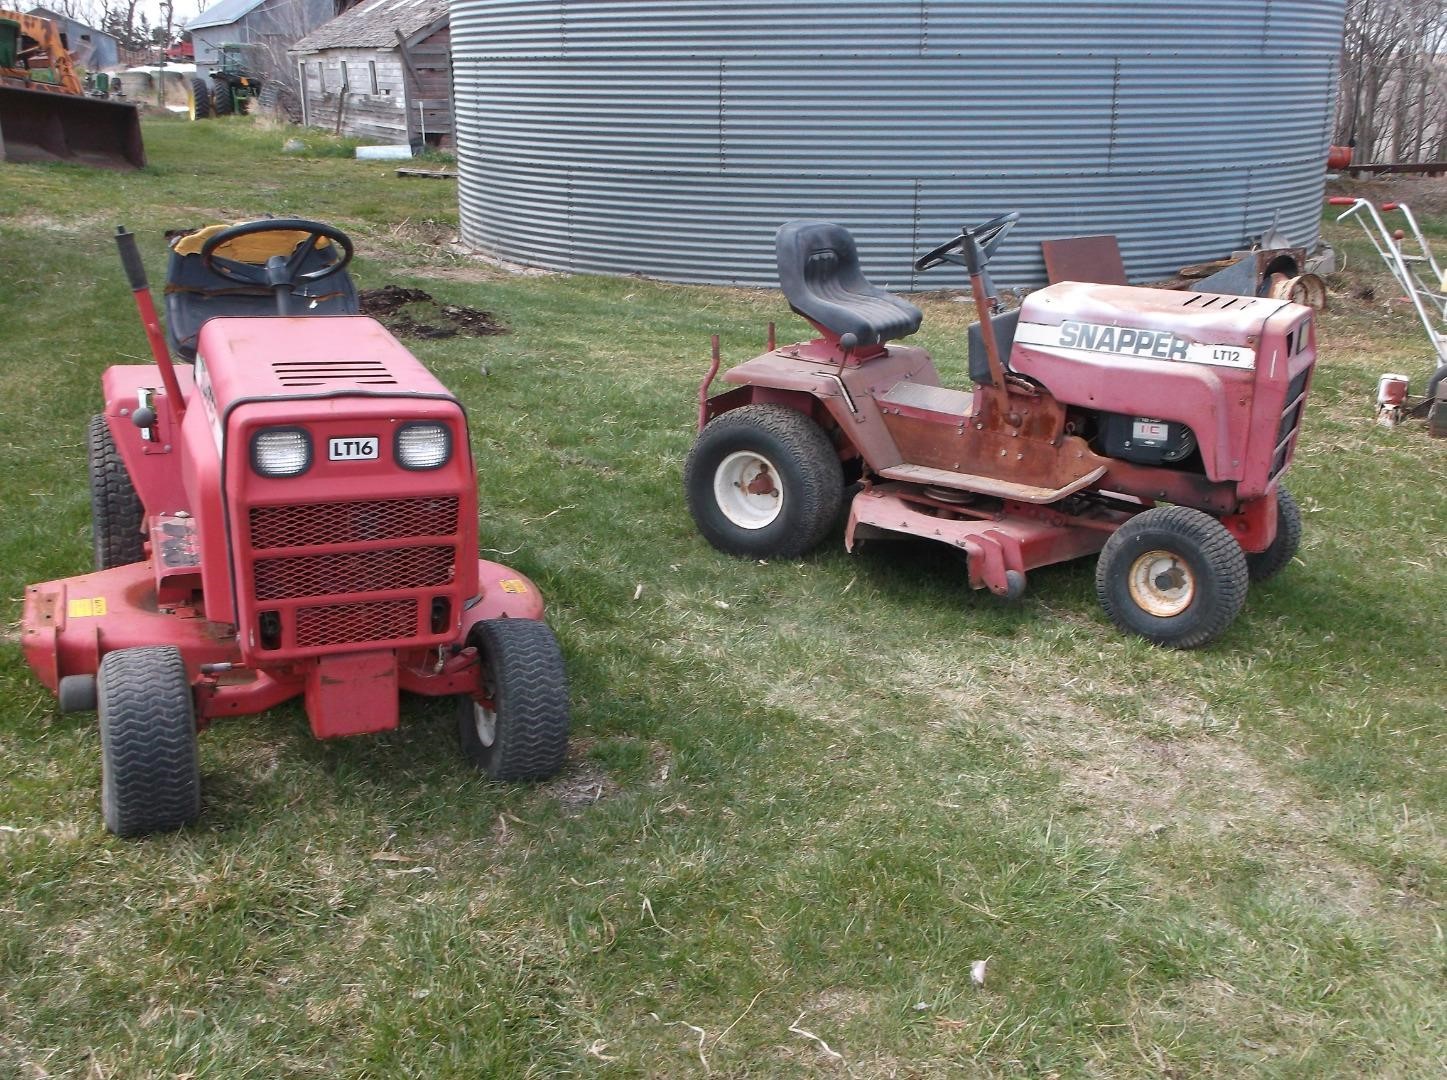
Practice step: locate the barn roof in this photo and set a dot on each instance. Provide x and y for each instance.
(224, 13)
(373, 24)
(53, 15)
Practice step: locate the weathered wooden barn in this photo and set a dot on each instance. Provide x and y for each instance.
(382, 70)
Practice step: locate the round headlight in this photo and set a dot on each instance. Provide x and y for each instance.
(281, 452)
(423, 446)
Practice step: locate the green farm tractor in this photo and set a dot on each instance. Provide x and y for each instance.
(234, 85)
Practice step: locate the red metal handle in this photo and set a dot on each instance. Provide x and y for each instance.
(1347, 200)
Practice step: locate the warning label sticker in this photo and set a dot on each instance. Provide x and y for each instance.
(86, 607)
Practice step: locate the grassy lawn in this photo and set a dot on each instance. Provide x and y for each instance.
(805, 797)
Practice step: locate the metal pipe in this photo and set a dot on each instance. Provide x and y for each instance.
(708, 379)
(141, 290)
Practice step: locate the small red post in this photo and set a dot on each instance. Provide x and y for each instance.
(772, 345)
(708, 379)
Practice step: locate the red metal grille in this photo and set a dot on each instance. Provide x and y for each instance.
(1290, 420)
(353, 572)
(344, 624)
(306, 524)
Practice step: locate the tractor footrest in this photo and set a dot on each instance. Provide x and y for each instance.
(927, 402)
(989, 485)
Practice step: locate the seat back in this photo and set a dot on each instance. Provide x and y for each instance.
(195, 294)
(1004, 327)
(820, 275)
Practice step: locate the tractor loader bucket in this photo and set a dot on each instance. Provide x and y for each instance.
(39, 125)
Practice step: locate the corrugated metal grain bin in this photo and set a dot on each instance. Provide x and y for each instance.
(671, 139)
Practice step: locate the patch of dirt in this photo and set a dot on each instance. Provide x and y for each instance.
(1178, 771)
(414, 313)
(581, 785)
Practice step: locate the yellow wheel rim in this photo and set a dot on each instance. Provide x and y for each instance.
(1161, 584)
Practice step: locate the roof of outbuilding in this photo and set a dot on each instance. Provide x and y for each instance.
(373, 24)
(224, 13)
(51, 13)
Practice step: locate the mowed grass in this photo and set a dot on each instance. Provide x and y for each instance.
(805, 797)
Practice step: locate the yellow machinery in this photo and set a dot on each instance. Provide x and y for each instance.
(44, 112)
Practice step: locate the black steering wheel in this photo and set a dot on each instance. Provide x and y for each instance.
(283, 274)
(986, 238)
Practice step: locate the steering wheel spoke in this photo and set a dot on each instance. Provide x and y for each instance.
(299, 257)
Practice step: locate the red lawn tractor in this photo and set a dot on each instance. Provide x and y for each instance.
(1152, 427)
(294, 513)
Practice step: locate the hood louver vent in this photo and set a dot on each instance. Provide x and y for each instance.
(320, 372)
(1220, 303)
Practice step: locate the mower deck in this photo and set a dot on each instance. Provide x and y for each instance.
(68, 625)
(1001, 544)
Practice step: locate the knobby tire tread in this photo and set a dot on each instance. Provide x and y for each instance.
(531, 696)
(820, 491)
(1225, 565)
(115, 508)
(1265, 565)
(150, 775)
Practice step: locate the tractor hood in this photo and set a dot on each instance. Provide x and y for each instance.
(1151, 324)
(244, 359)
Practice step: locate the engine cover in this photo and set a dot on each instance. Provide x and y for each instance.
(1227, 372)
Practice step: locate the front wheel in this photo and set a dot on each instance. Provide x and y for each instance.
(150, 780)
(1173, 575)
(763, 481)
(516, 728)
(222, 101)
(1264, 565)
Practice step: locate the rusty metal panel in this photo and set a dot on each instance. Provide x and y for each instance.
(623, 136)
(1084, 258)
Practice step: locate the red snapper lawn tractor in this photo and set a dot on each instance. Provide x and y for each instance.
(293, 514)
(1150, 426)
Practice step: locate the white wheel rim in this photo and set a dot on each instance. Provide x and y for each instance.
(1161, 584)
(747, 489)
(485, 720)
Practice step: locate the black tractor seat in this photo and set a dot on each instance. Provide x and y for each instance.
(819, 273)
(195, 294)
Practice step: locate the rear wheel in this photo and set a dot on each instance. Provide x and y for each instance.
(517, 727)
(1264, 565)
(1173, 575)
(200, 99)
(150, 778)
(115, 508)
(763, 481)
(222, 103)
